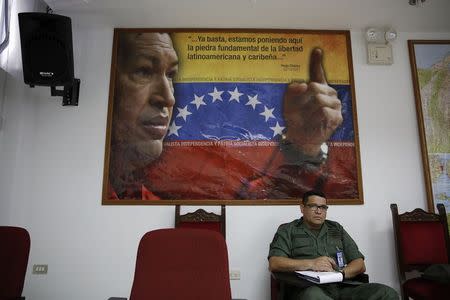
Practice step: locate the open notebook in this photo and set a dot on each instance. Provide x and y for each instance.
(320, 277)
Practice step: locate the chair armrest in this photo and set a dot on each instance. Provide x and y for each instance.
(291, 278)
(281, 282)
(361, 277)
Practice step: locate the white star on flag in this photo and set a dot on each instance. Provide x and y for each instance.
(268, 113)
(253, 101)
(216, 95)
(198, 101)
(277, 129)
(235, 95)
(183, 112)
(173, 129)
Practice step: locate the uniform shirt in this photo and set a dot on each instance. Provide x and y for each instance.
(296, 240)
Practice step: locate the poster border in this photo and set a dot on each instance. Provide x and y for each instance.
(357, 201)
(420, 119)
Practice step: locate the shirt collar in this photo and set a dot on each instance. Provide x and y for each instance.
(301, 224)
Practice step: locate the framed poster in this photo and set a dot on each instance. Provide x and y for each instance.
(227, 116)
(430, 66)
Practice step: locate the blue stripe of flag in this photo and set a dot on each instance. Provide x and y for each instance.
(208, 111)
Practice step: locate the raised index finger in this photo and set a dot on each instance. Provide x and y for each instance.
(316, 73)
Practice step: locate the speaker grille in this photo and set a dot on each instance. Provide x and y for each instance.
(46, 42)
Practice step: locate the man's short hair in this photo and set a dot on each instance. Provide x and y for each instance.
(312, 193)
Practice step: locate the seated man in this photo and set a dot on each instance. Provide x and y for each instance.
(313, 243)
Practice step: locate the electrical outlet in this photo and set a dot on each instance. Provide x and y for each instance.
(235, 275)
(40, 269)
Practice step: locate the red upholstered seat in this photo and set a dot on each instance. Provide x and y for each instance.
(181, 264)
(421, 240)
(419, 288)
(14, 252)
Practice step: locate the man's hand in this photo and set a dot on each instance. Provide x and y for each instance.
(323, 264)
(285, 264)
(312, 111)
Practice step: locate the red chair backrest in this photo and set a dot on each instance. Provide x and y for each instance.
(201, 219)
(215, 226)
(421, 239)
(185, 264)
(14, 252)
(423, 243)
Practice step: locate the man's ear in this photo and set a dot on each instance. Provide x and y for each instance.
(302, 207)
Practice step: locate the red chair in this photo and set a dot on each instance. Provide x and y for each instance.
(201, 219)
(14, 252)
(421, 240)
(181, 264)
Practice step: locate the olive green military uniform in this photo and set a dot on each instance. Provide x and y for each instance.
(296, 240)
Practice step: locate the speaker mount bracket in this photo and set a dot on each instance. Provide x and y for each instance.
(69, 93)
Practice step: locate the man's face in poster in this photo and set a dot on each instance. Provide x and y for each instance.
(143, 103)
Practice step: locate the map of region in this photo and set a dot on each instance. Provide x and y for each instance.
(434, 82)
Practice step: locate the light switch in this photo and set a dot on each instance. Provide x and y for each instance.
(379, 54)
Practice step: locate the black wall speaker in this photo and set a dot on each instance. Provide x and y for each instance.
(47, 53)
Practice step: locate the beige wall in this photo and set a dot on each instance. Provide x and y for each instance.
(51, 164)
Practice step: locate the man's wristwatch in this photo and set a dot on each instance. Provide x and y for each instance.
(343, 274)
(296, 157)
